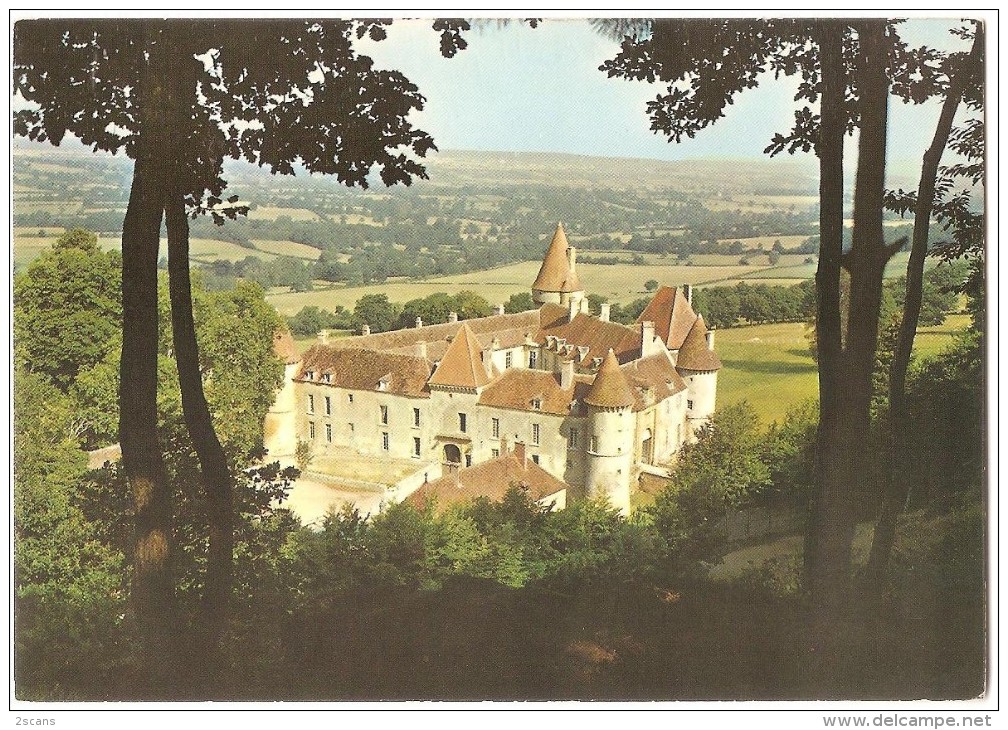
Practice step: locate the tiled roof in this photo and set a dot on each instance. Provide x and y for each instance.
(490, 480)
(652, 379)
(462, 364)
(366, 370)
(587, 331)
(610, 388)
(509, 327)
(694, 354)
(283, 346)
(672, 315)
(518, 388)
(555, 274)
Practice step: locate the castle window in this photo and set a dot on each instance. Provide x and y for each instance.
(384, 441)
(326, 377)
(468, 459)
(689, 405)
(416, 417)
(536, 404)
(535, 434)
(309, 374)
(572, 439)
(416, 447)
(328, 432)
(384, 414)
(535, 458)
(462, 422)
(311, 429)
(350, 426)
(593, 443)
(311, 403)
(533, 356)
(328, 406)
(495, 453)
(349, 397)
(495, 427)
(508, 360)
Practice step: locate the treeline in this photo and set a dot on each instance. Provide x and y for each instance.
(382, 315)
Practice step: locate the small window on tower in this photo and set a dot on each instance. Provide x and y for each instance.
(508, 360)
(689, 405)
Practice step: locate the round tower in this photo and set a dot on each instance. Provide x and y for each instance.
(698, 365)
(610, 447)
(280, 426)
(557, 282)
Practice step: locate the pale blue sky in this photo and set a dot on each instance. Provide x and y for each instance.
(518, 88)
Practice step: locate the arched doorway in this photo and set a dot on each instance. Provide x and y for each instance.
(452, 456)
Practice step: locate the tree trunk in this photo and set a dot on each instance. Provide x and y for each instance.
(829, 344)
(843, 430)
(152, 594)
(899, 485)
(217, 479)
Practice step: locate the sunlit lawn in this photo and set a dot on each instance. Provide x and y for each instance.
(768, 365)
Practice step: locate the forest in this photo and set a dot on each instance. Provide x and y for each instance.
(178, 573)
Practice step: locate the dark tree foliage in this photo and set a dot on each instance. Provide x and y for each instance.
(847, 71)
(179, 97)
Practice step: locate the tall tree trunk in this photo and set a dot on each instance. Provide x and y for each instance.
(217, 479)
(899, 485)
(152, 595)
(829, 340)
(842, 434)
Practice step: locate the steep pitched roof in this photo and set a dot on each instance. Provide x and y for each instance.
(555, 274)
(518, 387)
(672, 314)
(462, 364)
(491, 480)
(653, 376)
(366, 370)
(284, 348)
(610, 388)
(510, 329)
(694, 354)
(587, 331)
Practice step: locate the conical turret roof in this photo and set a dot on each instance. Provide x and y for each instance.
(694, 353)
(462, 365)
(610, 388)
(555, 274)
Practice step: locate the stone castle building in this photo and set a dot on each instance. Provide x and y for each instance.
(590, 401)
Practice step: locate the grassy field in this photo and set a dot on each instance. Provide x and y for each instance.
(932, 340)
(768, 365)
(287, 248)
(269, 212)
(622, 283)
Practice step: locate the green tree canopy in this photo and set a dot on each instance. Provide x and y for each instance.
(67, 308)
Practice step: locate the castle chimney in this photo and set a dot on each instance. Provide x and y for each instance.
(519, 451)
(710, 339)
(498, 309)
(421, 349)
(567, 373)
(453, 316)
(323, 337)
(571, 258)
(647, 338)
(573, 307)
(365, 329)
(605, 310)
(419, 323)
(688, 293)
